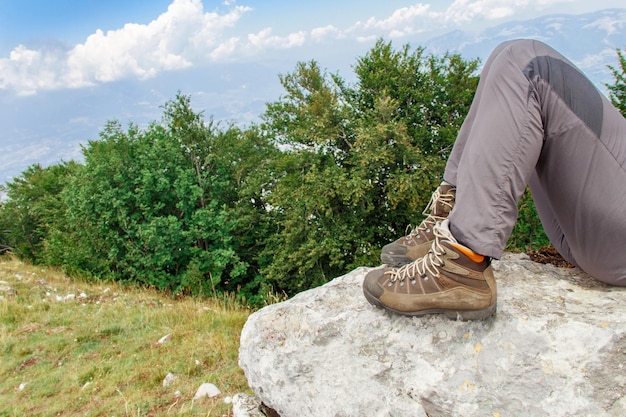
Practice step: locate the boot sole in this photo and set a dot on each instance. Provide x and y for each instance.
(460, 315)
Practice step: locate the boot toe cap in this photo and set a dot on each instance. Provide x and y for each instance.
(371, 285)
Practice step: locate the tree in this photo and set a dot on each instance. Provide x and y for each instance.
(33, 208)
(189, 206)
(5, 224)
(152, 206)
(617, 91)
(360, 161)
(431, 94)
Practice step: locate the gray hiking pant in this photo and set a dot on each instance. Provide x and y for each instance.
(537, 120)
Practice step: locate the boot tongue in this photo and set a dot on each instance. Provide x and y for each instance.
(443, 230)
(445, 188)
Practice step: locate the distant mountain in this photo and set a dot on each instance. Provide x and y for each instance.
(589, 40)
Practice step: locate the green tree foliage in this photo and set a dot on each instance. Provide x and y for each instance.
(33, 208)
(431, 94)
(5, 247)
(528, 233)
(157, 207)
(617, 91)
(361, 161)
(188, 206)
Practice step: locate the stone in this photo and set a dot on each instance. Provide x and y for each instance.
(169, 379)
(6, 289)
(164, 339)
(557, 347)
(245, 405)
(207, 390)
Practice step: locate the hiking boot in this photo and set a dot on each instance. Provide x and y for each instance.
(450, 279)
(417, 243)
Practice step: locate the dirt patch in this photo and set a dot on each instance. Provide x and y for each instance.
(29, 362)
(549, 255)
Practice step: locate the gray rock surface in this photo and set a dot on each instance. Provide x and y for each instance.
(557, 347)
(245, 405)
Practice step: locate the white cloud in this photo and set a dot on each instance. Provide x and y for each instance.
(596, 60)
(366, 39)
(404, 16)
(265, 39)
(463, 10)
(607, 24)
(29, 70)
(321, 33)
(178, 38)
(185, 35)
(402, 22)
(173, 41)
(225, 50)
(423, 17)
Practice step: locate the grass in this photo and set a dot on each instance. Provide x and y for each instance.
(76, 348)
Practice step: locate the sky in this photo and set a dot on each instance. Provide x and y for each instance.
(68, 66)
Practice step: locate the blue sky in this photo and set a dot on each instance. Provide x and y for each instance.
(68, 66)
(69, 21)
(62, 44)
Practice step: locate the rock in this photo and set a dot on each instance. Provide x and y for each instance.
(245, 405)
(207, 390)
(5, 289)
(169, 379)
(556, 347)
(164, 339)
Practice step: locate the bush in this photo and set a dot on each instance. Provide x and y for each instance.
(188, 206)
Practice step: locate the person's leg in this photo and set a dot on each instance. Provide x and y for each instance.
(417, 243)
(496, 155)
(581, 172)
(452, 164)
(533, 111)
(537, 111)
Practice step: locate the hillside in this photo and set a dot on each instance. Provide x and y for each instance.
(77, 348)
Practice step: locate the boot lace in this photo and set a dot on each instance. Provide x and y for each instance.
(431, 220)
(429, 264)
